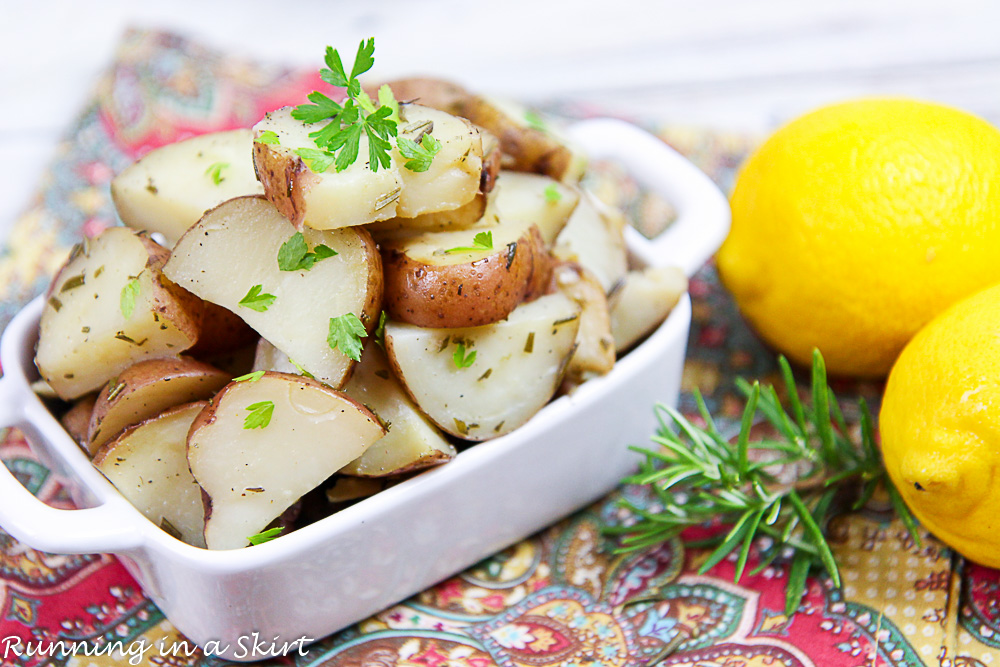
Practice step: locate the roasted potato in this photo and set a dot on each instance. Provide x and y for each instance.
(412, 441)
(108, 308)
(453, 177)
(482, 382)
(429, 286)
(145, 390)
(595, 346)
(171, 187)
(263, 444)
(642, 301)
(326, 200)
(148, 464)
(233, 251)
(594, 237)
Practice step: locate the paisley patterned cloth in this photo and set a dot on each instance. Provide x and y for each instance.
(558, 598)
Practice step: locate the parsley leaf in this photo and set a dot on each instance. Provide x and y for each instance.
(250, 377)
(387, 99)
(420, 155)
(460, 359)
(345, 334)
(534, 120)
(317, 160)
(323, 251)
(321, 109)
(364, 60)
(215, 171)
(552, 194)
(254, 300)
(268, 137)
(335, 75)
(260, 414)
(266, 536)
(127, 299)
(301, 370)
(482, 241)
(294, 254)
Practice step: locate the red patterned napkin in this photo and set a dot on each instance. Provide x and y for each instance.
(557, 598)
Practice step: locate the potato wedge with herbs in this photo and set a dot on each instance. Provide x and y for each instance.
(448, 279)
(595, 346)
(452, 177)
(594, 237)
(325, 198)
(147, 389)
(533, 199)
(76, 420)
(231, 258)
(413, 442)
(148, 464)
(263, 444)
(482, 382)
(526, 142)
(171, 187)
(108, 308)
(463, 217)
(642, 301)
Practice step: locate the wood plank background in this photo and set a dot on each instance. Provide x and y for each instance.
(729, 64)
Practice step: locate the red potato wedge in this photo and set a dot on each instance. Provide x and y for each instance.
(642, 301)
(222, 332)
(147, 463)
(412, 442)
(453, 177)
(145, 390)
(171, 187)
(85, 338)
(253, 466)
(463, 217)
(517, 367)
(427, 286)
(76, 420)
(594, 237)
(524, 146)
(595, 346)
(533, 199)
(492, 161)
(427, 91)
(234, 248)
(325, 200)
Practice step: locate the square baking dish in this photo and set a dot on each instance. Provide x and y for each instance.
(346, 567)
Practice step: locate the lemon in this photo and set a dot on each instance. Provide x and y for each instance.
(940, 425)
(856, 224)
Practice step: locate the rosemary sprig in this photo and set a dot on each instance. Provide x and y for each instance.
(781, 487)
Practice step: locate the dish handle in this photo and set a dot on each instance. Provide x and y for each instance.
(703, 214)
(29, 520)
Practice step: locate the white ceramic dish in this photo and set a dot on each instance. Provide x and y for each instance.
(346, 567)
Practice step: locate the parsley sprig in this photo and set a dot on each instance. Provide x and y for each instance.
(781, 488)
(338, 141)
(419, 156)
(265, 536)
(461, 359)
(256, 299)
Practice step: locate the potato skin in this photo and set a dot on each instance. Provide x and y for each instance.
(523, 148)
(463, 295)
(76, 420)
(285, 178)
(222, 331)
(143, 377)
(173, 302)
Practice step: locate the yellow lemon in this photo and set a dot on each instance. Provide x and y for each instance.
(856, 224)
(940, 425)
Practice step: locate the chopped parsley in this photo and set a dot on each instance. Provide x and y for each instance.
(419, 156)
(267, 137)
(215, 171)
(255, 300)
(294, 254)
(552, 194)
(482, 241)
(127, 299)
(260, 414)
(266, 536)
(461, 359)
(250, 377)
(345, 334)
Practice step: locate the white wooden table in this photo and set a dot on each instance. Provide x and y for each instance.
(726, 63)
